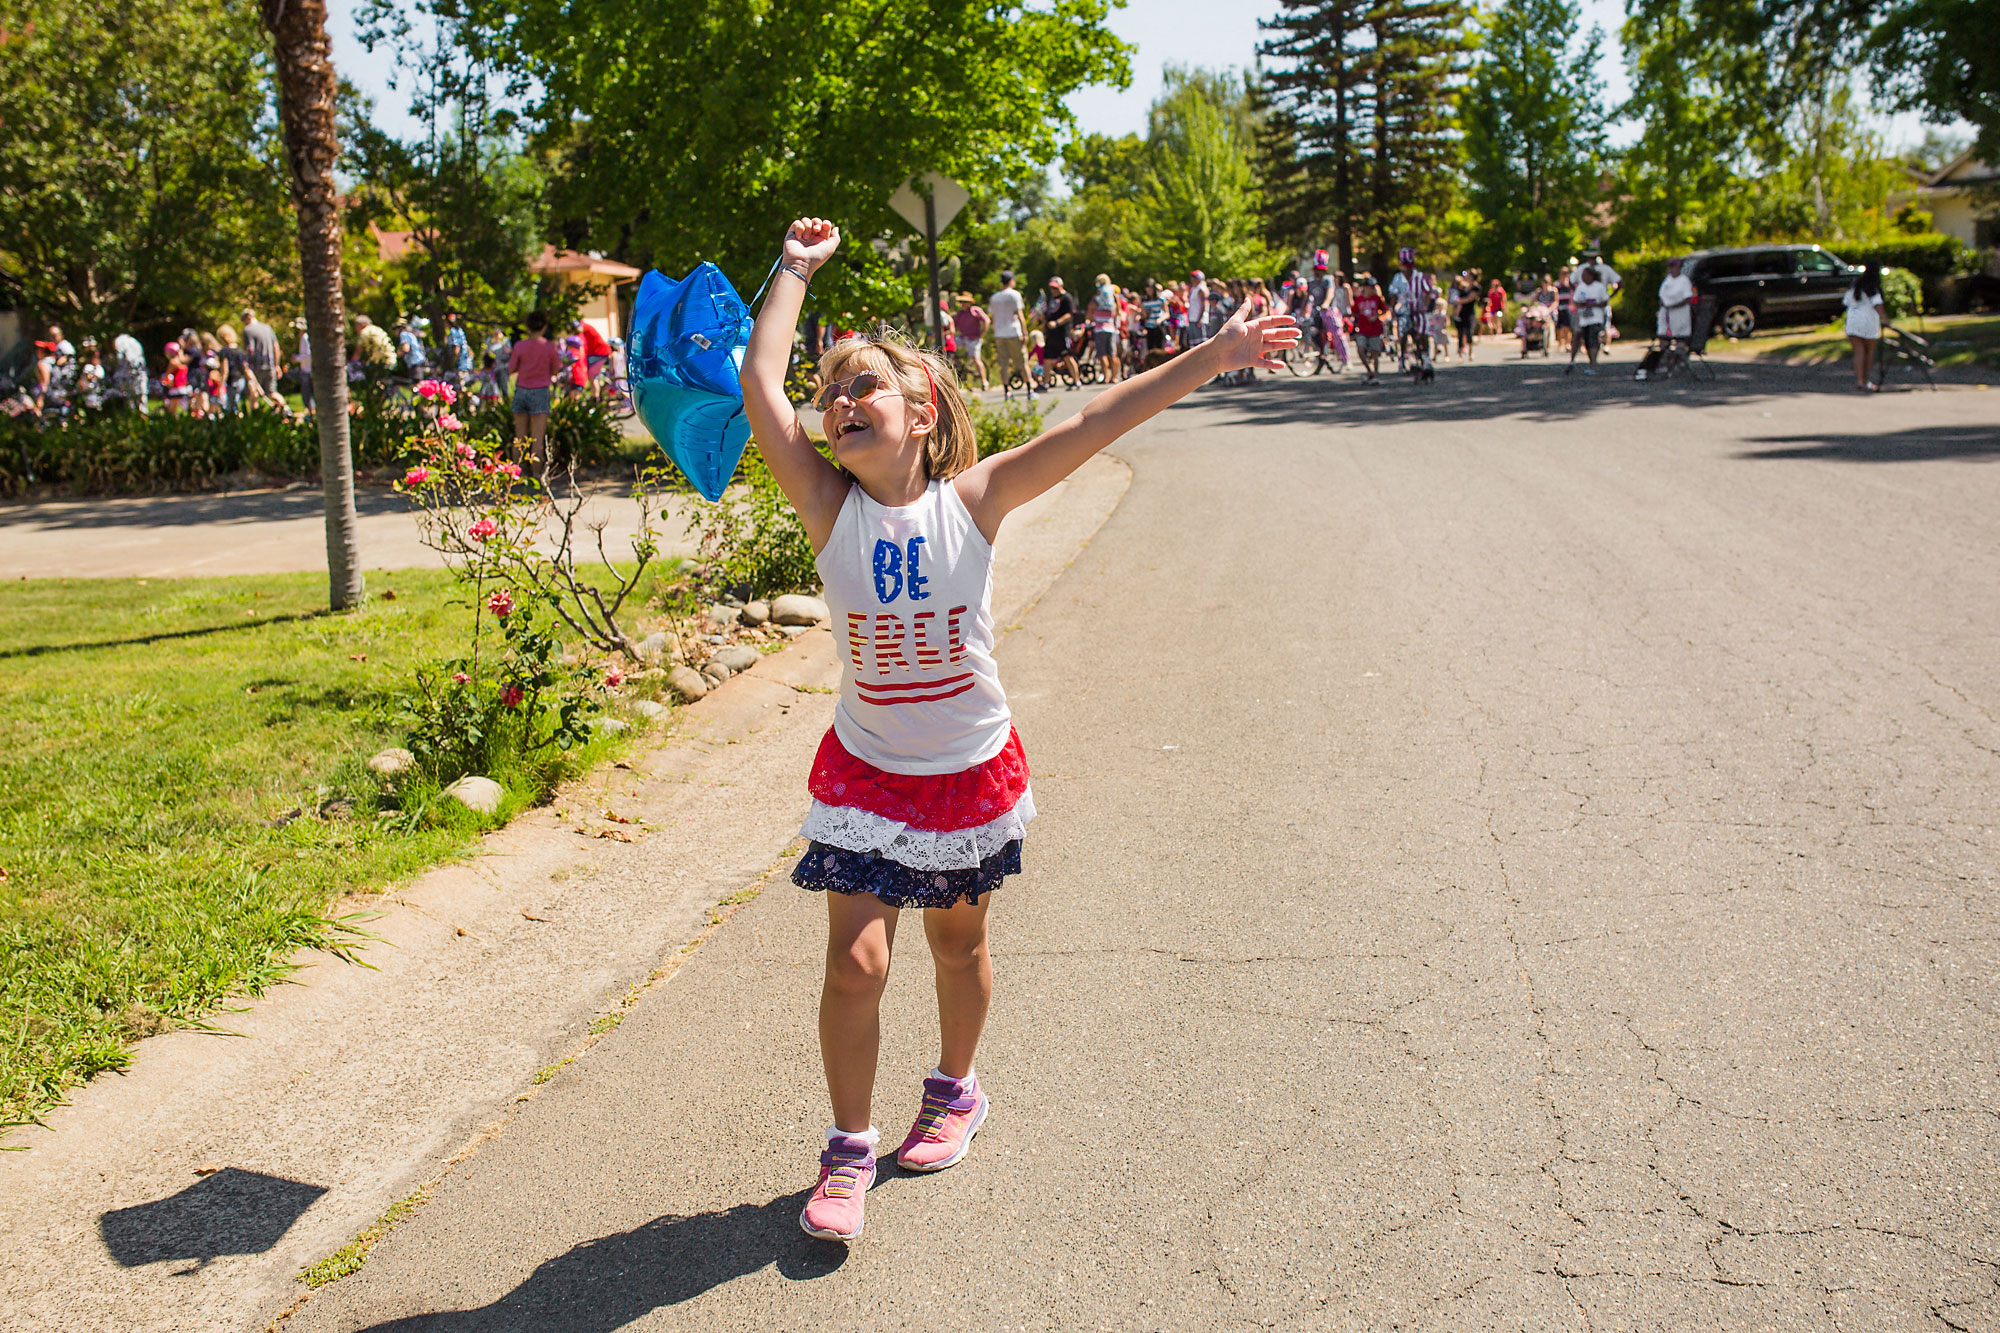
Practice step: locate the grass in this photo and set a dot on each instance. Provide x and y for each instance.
(1959, 341)
(183, 793)
(350, 1257)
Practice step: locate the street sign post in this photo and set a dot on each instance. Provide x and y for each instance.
(929, 202)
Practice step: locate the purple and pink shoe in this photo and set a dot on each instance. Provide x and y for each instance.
(952, 1113)
(846, 1171)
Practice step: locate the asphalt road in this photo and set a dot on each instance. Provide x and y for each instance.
(1519, 854)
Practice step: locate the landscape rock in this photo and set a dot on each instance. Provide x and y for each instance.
(738, 657)
(687, 683)
(798, 609)
(755, 614)
(716, 672)
(611, 725)
(653, 648)
(651, 708)
(476, 793)
(722, 615)
(793, 631)
(391, 763)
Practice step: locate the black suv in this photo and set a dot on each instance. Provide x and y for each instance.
(1756, 285)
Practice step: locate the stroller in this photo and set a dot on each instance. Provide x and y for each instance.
(1532, 328)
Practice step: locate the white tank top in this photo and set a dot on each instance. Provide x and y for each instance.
(910, 588)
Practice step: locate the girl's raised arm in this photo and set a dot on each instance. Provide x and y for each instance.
(813, 485)
(995, 486)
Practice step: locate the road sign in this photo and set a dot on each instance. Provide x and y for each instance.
(947, 196)
(929, 202)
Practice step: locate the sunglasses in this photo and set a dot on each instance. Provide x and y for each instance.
(854, 389)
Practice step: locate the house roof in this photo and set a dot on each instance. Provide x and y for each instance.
(1964, 169)
(552, 260)
(392, 245)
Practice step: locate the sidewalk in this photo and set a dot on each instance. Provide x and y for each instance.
(188, 1193)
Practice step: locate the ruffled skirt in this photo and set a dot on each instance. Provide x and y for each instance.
(915, 840)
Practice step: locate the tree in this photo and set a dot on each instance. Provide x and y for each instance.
(1534, 134)
(308, 95)
(472, 200)
(1942, 57)
(697, 129)
(139, 172)
(1197, 208)
(1369, 95)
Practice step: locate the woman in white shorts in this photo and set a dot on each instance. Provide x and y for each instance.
(1864, 323)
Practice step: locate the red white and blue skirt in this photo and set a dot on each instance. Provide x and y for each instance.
(915, 840)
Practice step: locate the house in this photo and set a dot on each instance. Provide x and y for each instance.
(599, 277)
(1963, 197)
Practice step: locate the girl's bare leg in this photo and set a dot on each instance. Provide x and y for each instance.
(1860, 347)
(861, 933)
(964, 981)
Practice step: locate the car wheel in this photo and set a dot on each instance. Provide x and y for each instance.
(1739, 320)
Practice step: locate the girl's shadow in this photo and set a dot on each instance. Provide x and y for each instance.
(607, 1283)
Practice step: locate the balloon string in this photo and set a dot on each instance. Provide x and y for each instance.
(765, 285)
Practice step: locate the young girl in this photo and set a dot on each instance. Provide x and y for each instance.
(920, 790)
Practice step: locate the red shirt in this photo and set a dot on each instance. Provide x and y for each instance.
(593, 342)
(533, 363)
(1368, 308)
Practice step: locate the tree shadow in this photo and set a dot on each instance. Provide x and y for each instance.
(1919, 444)
(193, 509)
(229, 1212)
(608, 1283)
(167, 636)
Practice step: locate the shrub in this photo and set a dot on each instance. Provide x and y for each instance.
(752, 535)
(122, 451)
(1004, 427)
(1902, 294)
(1932, 257)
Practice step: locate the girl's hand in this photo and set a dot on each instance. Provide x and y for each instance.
(811, 242)
(1244, 342)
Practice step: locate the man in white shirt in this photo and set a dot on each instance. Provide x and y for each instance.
(1005, 308)
(1592, 303)
(1197, 308)
(1676, 303)
(128, 372)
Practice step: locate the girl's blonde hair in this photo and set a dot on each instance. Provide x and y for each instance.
(921, 377)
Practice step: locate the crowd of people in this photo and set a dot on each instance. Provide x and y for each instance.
(1031, 344)
(247, 367)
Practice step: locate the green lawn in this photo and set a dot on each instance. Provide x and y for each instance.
(156, 738)
(1959, 341)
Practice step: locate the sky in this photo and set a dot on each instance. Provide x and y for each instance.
(1207, 33)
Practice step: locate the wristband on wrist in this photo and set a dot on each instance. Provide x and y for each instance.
(806, 277)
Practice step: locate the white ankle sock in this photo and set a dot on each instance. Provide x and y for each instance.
(871, 1136)
(971, 1075)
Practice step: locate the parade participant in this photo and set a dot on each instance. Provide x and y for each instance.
(970, 324)
(1009, 329)
(920, 790)
(533, 365)
(1057, 310)
(1592, 303)
(1863, 325)
(1369, 309)
(129, 381)
(260, 344)
(302, 362)
(1677, 296)
(1414, 293)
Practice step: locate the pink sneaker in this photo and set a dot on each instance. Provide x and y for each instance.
(846, 1170)
(951, 1114)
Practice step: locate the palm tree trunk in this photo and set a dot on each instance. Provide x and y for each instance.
(306, 91)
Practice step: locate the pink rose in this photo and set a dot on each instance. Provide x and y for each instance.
(501, 604)
(428, 389)
(489, 467)
(446, 421)
(464, 450)
(510, 697)
(459, 678)
(512, 469)
(613, 678)
(416, 476)
(481, 530)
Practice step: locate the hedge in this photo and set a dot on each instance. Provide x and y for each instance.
(121, 452)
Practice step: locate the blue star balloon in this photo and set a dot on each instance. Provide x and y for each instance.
(684, 362)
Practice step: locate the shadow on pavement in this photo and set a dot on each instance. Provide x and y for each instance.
(609, 1282)
(1533, 390)
(193, 510)
(1918, 445)
(230, 1212)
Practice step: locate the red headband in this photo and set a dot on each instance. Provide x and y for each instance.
(933, 381)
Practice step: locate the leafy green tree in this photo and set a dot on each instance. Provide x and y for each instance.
(140, 175)
(1534, 134)
(1197, 208)
(697, 129)
(473, 201)
(1942, 57)
(1422, 49)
